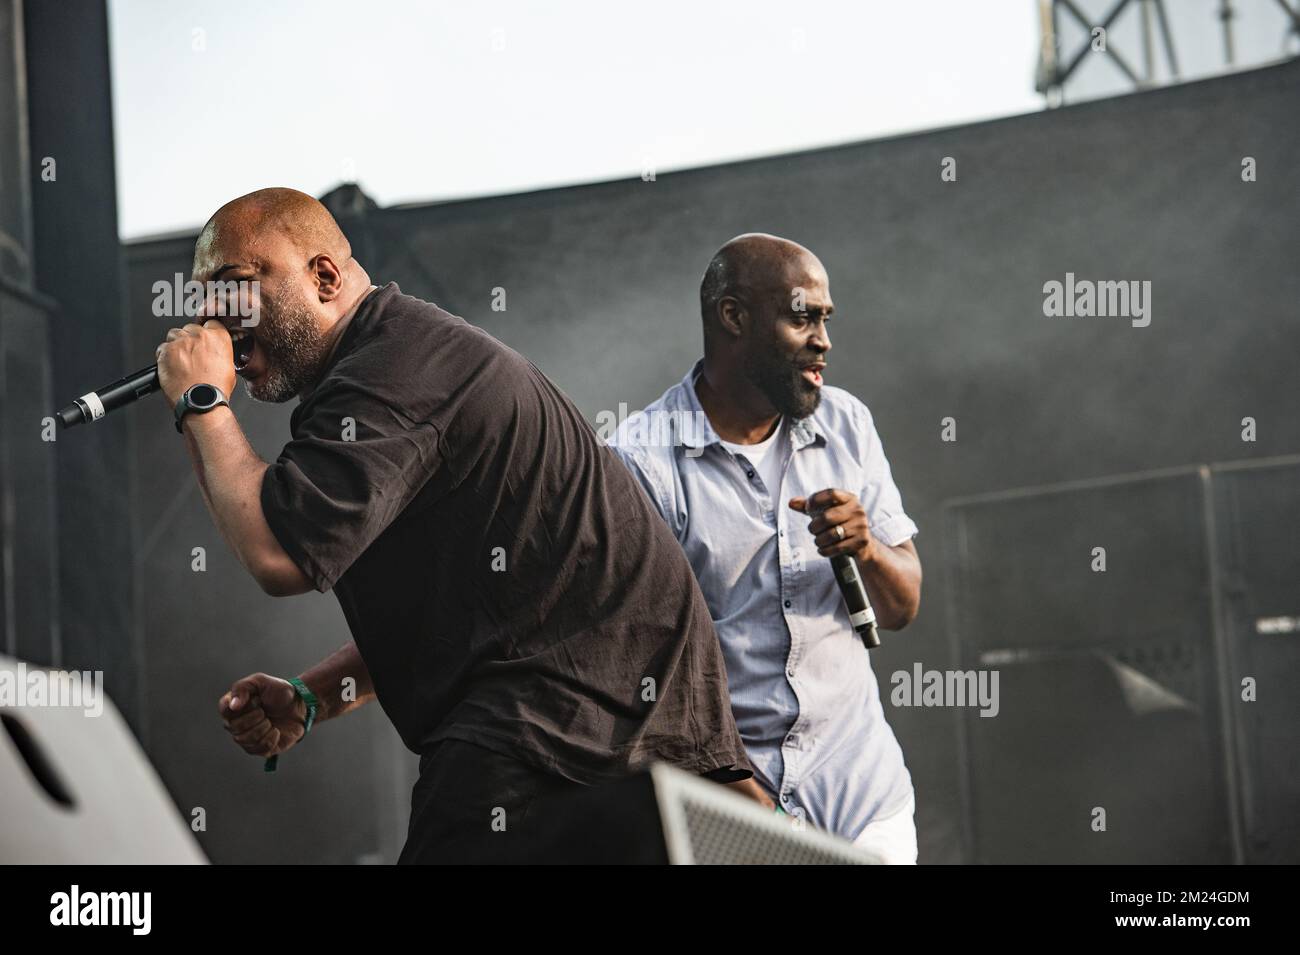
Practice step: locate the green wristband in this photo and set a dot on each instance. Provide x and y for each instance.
(313, 704)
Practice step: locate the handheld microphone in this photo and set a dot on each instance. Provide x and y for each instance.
(854, 593)
(95, 404)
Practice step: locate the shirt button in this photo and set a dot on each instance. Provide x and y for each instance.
(789, 671)
(785, 798)
(787, 604)
(749, 474)
(792, 739)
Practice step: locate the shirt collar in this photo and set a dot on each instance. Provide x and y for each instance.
(803, 432)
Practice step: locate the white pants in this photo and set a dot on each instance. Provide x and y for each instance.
(893, 838)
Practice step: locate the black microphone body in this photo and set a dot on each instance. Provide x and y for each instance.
(96, 404)
(124, 391)
(854, 593)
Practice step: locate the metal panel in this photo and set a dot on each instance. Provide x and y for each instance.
(1108, 677)
(78, 262)
(1257, 515)
(28, 570)
(15, 204)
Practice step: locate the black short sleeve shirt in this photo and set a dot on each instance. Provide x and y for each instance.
(505, 579)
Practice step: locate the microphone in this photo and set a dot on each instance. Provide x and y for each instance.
(854, 593)
(95, 404)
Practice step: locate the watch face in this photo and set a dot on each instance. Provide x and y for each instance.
(202, 396)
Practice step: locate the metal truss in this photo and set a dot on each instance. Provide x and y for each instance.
(1054, 69)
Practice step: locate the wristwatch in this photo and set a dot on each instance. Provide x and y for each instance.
(201, 399)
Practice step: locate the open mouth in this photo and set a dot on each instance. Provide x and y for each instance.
(813, 373)
(243, 342)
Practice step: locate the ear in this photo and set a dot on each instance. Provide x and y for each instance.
(328, 275)
(733, 317)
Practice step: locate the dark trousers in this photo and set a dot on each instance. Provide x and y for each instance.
(475, 806)
(472, 805)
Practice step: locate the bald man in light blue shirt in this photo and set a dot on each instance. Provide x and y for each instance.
(763, 472)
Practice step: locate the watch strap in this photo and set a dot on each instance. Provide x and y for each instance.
(183, 406)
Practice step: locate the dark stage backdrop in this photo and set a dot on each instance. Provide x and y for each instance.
(939, 294)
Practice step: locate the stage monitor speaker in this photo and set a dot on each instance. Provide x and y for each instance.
(1093, 602)
(666, 815)
(704, 824)
(1257, 530)
(75, 786)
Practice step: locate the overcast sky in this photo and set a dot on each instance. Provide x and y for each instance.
(434, 100)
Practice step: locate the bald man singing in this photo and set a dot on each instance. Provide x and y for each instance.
(521, 613)
(762, 471)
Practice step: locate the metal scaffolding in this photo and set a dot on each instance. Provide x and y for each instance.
(1055, 69)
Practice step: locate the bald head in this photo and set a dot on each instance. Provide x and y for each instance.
(753, 267)
(251, 224)
(289, 258)
(765, 302)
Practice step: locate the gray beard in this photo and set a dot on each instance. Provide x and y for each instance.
(294, 352)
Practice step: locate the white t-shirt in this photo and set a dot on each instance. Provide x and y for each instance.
(768, 456)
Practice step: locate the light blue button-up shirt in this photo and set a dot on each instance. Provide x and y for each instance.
(802, 688)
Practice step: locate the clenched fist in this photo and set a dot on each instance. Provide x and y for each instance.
(263, 714)
(196, 354)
